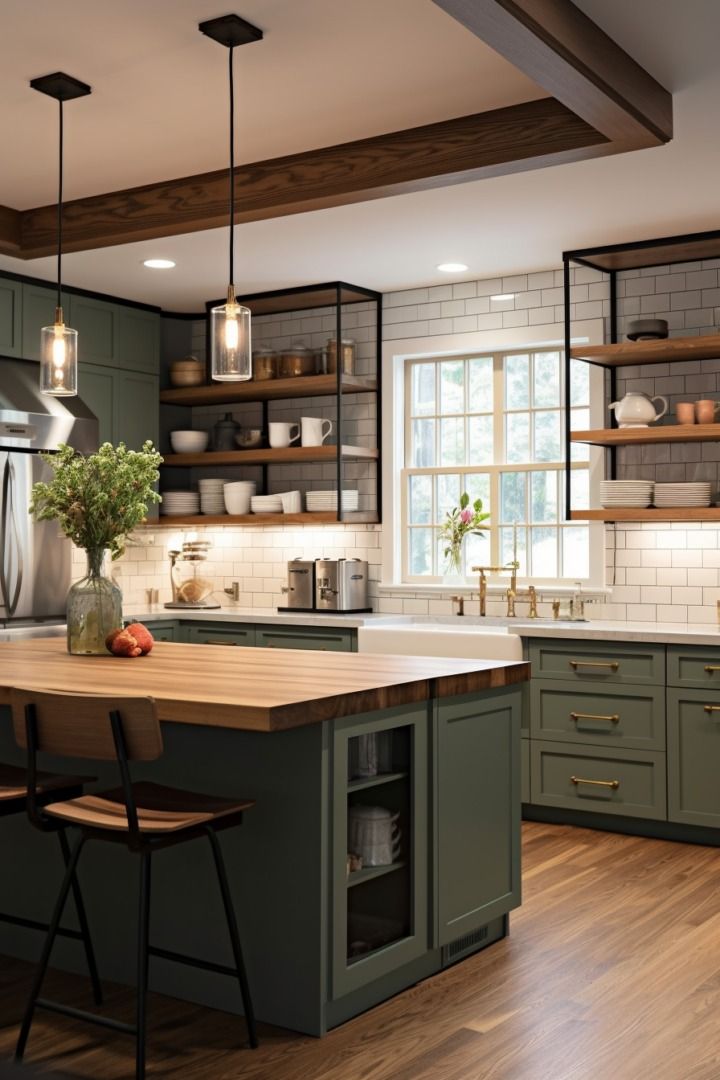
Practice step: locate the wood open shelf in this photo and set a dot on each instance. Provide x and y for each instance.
(267, 390)
(667, 433)
(368, 873)
(665, 351)
(317, 517)
(290, 455)
(671, 513)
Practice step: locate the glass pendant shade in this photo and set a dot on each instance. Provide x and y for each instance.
(230, 344)
(58, 358)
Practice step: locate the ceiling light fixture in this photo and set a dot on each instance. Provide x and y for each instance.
(158, 264)
(503, 296)
(452, 268)
(230, 346)
(58, 343)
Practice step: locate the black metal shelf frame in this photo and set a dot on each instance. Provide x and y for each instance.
(611, 260)
(335, 294)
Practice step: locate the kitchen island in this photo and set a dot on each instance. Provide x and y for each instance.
(280, 726)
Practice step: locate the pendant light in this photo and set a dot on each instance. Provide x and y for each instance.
(58, 343)
(230, 345)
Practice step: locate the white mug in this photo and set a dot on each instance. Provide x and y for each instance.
(314, 432)
(281, 434)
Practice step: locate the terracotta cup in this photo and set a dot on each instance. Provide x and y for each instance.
(705, 411)
(685, 412)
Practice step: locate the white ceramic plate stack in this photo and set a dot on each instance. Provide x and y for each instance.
(237, 495)
(179, 503)
(632, 494)
(211, 496)
(266, 504)
(699, 494)
(328, 500)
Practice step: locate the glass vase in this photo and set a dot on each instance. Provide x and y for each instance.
(94, 608)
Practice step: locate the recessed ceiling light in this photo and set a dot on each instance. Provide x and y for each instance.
(503, 296)
(158, 264)
(452, 268)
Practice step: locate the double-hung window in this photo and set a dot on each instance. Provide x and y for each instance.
(492, 424)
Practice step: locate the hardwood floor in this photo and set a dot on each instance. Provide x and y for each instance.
(612, 969)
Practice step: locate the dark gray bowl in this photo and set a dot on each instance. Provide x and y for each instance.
(647, 329)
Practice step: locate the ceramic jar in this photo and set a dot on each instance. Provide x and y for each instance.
(637, 410)
(374, 835)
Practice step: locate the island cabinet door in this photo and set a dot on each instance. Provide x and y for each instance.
(379, 911)
(476, 812)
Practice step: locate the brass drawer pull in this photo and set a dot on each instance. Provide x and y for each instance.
(711, 668)
(614, 719)
(210, 641)
(711, 708)
(614, 784)
(612, 664)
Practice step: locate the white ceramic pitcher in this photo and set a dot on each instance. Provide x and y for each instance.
(373, 833)
(637, 410)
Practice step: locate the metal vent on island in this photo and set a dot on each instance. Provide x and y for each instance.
(467, 943)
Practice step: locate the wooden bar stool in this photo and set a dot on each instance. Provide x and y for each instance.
(50, 788)
(142, 816)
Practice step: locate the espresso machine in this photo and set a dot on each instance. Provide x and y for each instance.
(328, 585)
(300, 588)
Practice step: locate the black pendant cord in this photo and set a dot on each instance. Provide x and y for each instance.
(232, 169)
(59, 209)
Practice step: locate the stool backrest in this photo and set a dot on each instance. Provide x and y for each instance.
(79, 725)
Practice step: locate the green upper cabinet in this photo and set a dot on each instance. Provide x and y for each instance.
(138, 340)
(125, 403)
(11, 318)
(97, 387)
(96, 324)
(38, 310)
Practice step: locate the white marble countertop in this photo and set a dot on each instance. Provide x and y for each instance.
(600, 630)
(261, 616)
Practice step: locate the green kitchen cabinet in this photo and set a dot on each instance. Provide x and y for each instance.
(694, 756)
(138, 339)
(212, 634)
(696, 667)
(614, 714)
(380, 914)
(125, 403)
(597, 662)
(162, 631)
(11, 318)
(38, 310)
(476, 812)
(117, 335)
(96, 324)
(301, 637)
(525, 770)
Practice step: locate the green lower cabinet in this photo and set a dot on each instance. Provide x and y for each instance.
(298, 637)
(476, 812)
(208, 634)
(162, 631)
(613, 714)
(525, 770)
(694, 757)
(698, 668)
(11, 318)
(630, 783)
(379, 915)
(597, 662)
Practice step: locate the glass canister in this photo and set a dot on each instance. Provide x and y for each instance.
(190, 585)
(265, 365)
(297, 361)
(348, 356)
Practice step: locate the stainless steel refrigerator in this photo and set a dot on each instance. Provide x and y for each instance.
(35, 559)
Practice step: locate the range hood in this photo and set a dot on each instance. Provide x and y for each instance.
(33, 421)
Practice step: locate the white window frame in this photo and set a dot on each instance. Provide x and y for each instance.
(395, 354)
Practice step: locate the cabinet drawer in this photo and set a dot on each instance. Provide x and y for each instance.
(630, 783)
(630, 716)
(163, 631)
(597, 662)
(212, 635)
(525, 770)
(694, 667)
(298, 638)
(694, 757)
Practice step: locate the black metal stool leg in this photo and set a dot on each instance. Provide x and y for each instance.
(234, 937)
(143, 963)
(47, 948)
(82, 919)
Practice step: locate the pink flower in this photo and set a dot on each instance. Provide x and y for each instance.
(466, 516)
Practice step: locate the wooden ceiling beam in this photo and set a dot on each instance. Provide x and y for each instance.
(569, 56)
(525, 136)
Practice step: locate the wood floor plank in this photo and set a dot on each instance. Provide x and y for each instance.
(612, 968)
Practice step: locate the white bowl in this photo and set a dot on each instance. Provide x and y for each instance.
(189, 442)
(237, 502)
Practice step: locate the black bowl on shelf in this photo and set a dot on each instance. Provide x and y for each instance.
(647, 329)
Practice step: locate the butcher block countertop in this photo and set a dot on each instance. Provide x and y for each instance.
(252, 689)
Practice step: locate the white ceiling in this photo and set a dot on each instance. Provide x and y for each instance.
(498, 226)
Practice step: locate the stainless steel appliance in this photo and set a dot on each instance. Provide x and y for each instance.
(35, 559)
(300, 588)
(341, 585)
